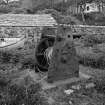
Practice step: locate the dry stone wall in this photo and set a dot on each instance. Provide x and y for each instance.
(85, 29)
(31, 31)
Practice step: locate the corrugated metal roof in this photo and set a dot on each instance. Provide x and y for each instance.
(27, 20)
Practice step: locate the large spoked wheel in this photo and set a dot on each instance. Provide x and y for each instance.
(43, 50)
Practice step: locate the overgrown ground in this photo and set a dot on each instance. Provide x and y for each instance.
(18, 83)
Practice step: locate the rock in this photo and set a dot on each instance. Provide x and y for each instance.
(64, 63)
(69, 91)
(76, 87)
(90, 85)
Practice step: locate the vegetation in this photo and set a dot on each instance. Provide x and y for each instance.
(91, 40)
(93, 18)
(5, 9)
(29, 92)
(92, 53)
(26, 94)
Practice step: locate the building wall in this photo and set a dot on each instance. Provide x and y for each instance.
(91, 7)
(94, 7)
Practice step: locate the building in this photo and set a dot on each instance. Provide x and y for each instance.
(86, 6)
(91, 6)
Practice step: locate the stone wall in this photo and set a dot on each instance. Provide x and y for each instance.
(85, 29)
(64, 62)
(31, 31)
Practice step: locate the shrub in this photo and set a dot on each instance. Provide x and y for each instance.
(19, 95)
(28, 63)
(4, 9)
(90, 40)
(5, 57)
(100, 83)
(19, 11)
(10, 57)
(90, 58)
(62, 19)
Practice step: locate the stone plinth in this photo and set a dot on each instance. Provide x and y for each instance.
(64, 63)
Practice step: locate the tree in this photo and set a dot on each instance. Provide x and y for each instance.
(2, 2)
(6, 1)
(34, 5)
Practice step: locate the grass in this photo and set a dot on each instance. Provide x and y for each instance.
(93, 19)
(25, 59)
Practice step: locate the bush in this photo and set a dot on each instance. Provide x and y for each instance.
(28, 63)
(5, 57)
(90, 40)
(21, 95)
(90, 58)
(10, 57)
(5, 9)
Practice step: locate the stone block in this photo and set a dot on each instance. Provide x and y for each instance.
(64, 63)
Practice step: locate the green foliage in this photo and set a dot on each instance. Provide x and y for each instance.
(100, 84)
(57, 15)
(61, 7)
(19, 11)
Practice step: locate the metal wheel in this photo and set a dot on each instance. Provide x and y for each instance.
(43, 53)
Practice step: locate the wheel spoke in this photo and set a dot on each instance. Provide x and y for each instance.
(47, 43)
(41, 57)
(43, 60)
(41, 51)
(40, 54)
